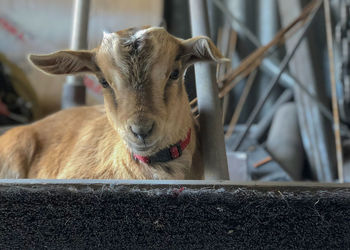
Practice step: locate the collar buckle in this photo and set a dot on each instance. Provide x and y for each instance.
(175, 151)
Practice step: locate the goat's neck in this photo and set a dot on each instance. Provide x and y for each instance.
(177, 168)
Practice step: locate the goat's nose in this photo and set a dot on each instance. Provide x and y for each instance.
(141, 131)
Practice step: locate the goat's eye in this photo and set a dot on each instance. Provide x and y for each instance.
(174, 75)
(104, 83)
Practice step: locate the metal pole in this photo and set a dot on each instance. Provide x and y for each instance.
(316, 132)
(336, 122)
(74, 89)
(211, 130)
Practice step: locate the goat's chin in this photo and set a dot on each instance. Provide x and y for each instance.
(142, 148)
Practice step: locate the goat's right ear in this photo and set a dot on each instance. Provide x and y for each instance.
(65, 62)
(201, 48)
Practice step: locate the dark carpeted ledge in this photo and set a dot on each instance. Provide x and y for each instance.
(182, 215)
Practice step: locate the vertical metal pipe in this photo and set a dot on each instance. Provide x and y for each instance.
(74, 89)
(268, 20)
(212, 134)
(315, 132)
(336, 126)
(267, 26)
(80, 24)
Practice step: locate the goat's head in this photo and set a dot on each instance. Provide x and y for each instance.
(142, 73)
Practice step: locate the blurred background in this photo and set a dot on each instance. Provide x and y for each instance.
(278, 126)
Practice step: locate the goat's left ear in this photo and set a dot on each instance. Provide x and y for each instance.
(201, 48)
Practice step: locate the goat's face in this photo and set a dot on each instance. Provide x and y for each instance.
(142, 72)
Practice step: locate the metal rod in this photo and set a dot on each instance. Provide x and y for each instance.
(254, 59)
(274, 81)
(336, 122)
(270, 66)
(80, 24)
(74, 89)
(240, 105)
(232, 48)
(324, 110)
(211, 130)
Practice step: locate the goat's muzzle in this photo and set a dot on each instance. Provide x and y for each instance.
(143, 130)
(140, 132)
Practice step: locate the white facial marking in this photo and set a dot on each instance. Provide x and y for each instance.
(109, 41)
(141, 33)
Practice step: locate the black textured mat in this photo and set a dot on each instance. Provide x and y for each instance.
(73, 216)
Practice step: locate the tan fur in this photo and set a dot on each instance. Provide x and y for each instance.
(96, 142)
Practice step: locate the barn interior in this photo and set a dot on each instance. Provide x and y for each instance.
(274, 128)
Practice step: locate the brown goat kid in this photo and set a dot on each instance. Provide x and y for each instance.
(145, 129)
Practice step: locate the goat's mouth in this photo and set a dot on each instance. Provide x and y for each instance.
(142, 147)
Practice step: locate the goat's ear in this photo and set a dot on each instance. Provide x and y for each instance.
(65, 62)
(163, 24)
(201, 48)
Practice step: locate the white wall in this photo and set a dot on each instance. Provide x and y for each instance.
(43, 26)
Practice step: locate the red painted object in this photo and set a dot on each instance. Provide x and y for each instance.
(93, 86)
(11, 29)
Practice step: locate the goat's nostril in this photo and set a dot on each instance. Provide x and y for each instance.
(142, 131)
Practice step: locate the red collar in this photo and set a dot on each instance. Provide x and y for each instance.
(166, 154)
